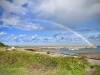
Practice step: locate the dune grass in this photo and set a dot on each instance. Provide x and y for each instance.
(23, 63)
(97, 69)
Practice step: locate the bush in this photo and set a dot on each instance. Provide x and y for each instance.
(2, 45)
(48, 52)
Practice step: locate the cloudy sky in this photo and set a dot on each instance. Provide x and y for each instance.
(50, 22)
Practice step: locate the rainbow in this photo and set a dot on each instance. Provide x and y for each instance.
(86, 40)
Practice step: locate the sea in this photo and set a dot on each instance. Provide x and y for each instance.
(66, 51)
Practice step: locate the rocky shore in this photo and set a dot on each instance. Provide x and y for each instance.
(92, 58)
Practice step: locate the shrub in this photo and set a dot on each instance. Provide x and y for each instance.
(2, 45)
(48, 52)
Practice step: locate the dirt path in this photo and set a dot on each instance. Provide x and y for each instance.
(89, 71)
(3, 73)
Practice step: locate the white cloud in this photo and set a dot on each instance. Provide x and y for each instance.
(31, 39)
(21, 24)
(31, 26)
(58, 39)
(60, 33)
(2, 33)
(64, 32)
(15, 7)
(16, 39)
(22, 35)
(9, 38)
(66, 12)
(57, 33)
(34, 37)
(12, 35)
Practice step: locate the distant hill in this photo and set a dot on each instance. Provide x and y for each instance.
(2, 45)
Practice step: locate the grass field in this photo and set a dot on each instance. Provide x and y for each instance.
(30, 63)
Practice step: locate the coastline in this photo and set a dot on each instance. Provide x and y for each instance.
(36, 55)
(92, 58)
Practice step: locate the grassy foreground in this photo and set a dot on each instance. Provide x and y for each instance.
(97, 69)
(29, 63)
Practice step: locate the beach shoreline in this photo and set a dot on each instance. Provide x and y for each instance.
(92, 58)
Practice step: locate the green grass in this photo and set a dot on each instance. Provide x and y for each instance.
(97, 69)
(19, 62)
